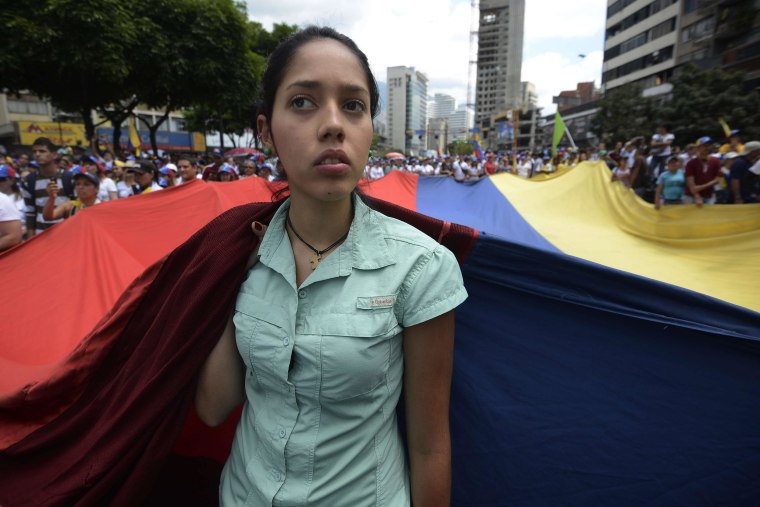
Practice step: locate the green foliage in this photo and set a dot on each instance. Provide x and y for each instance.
(624, 114)
(461, 148)
(700, 97)
(109, 55)
(234, 110)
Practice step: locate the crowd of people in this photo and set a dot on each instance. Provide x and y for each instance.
(39, 191)
(660, 172)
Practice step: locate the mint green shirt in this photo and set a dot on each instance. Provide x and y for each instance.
(324, 364)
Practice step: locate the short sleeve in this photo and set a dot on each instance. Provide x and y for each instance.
(8, 211)
(661, 179)
(434, 286)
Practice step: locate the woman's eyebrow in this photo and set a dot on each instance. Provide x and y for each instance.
(311, 85)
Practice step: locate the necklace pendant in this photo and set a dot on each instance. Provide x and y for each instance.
(314, 261)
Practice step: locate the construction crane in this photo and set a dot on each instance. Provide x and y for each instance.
(473, 63)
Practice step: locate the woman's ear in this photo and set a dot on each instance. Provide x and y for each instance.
(265, 135)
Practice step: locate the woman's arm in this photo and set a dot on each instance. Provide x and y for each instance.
(428, 356)
(221, 385)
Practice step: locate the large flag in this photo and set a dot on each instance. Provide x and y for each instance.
(559, 131)
(641, 388)
(134, 137)
(478, 149)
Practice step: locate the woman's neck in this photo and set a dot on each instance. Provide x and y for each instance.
(321, 223)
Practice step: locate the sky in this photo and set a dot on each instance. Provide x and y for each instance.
(434, 37)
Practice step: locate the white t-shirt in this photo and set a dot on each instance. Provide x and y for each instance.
(106, 185)
(376, 172)
(8, 210)
(664, 151)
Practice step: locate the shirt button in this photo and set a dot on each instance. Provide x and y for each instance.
(301, 294)
(285, 341)
(282, 433)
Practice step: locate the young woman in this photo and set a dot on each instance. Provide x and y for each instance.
(86, 186)
(342, 307)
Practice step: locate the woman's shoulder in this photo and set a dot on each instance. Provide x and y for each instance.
(402, 234)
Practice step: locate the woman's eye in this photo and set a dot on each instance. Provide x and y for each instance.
(302, 103)
(355, 106)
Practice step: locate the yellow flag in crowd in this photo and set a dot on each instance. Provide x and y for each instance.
(725, 126)
(134, 137)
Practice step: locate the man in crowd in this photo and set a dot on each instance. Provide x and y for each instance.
(702, 174)
(210, 171)
(35, 185)
(742, 183)
(188, 169)
(660, 149)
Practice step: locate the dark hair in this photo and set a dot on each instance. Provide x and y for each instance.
(47, 143)
(280, 59)
(189, 158)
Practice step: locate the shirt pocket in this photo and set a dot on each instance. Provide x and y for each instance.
(355, 351)
(262, 338)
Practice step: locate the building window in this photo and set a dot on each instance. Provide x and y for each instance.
(689, 6)
(20, 106)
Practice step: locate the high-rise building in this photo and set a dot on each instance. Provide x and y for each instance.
(499, 59)
(442, 106)
(640, 42)
(646, 40)
(460, 123)
(528, 95)
(407, 108)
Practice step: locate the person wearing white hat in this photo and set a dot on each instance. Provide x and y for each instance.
(743, 182)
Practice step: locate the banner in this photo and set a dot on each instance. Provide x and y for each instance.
(58, 133)
(559, 131)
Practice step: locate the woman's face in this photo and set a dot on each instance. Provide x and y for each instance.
(225, 176)
(321, 125)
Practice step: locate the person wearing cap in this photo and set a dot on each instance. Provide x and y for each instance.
(266, 171)
(742, 182)
(702, 174)
(227, 173)
(11, 215)
(143, 172)
(209, 172)
(107, 188)
(10, 187)
(734, 143)
(670, 184)
(169, 173)
(125, 184)
(86, 185)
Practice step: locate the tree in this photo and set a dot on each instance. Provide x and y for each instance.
(624, 114)
(234, 110)
(701, 97)
(200, 54)
(74, 52)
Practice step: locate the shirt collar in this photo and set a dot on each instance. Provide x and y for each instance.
(364, 248)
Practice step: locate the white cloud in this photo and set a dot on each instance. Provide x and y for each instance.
(434, 37)
(563, 19)
(553, 73)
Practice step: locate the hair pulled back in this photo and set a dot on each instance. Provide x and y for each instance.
(280, 59)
